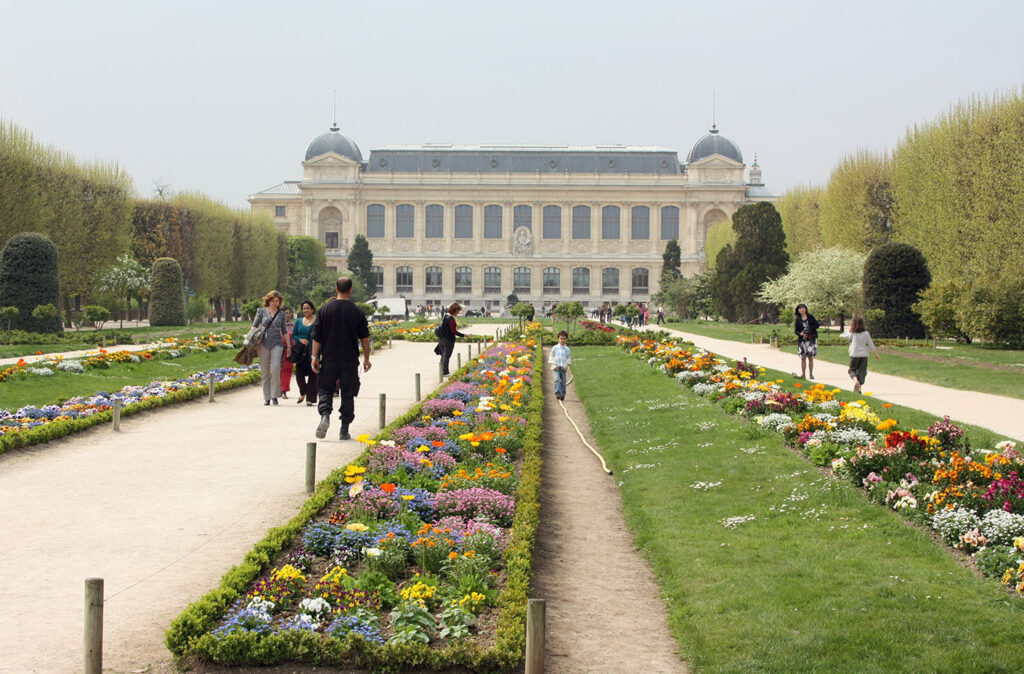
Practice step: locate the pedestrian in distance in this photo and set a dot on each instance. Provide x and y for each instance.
(560, 358)
(302, 333)
(339, 330)
(661, 315)
(273, 345)
(447, 331)
(860, 346)
(806, 328)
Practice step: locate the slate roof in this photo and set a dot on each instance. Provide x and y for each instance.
(441, 158)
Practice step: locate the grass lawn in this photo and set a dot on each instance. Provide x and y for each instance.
(35, 390)
(968, 367)
(820, 580)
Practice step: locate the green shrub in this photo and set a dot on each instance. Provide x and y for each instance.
(28, 279)
(96, 315)
(994, 560)
(894, 274)
(167, 306)
(198, 308)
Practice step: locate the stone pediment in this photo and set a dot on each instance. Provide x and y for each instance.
(330, 166)
(715, 161)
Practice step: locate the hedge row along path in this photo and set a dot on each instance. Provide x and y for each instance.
(161, 510)
(998, 413)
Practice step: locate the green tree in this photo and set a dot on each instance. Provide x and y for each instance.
(7, 314)
(512, 300)
(360, 261)
(759, 256)
(29, 278)
(688, 297)
(123, 280)
(168, 304)
(937, 308)
(672, 258)
(308, 276)
(800, 210)
(522, 311)
(827, 280)
(859, 207)
(719, 235)
(570, 312)
(96, 315)
(894, 274)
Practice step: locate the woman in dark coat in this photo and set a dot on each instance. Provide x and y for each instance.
(449, 331)
(806, 328)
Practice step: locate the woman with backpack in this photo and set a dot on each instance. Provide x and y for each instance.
(446, 333)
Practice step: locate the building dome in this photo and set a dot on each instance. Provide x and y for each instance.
(714, 143)
(332, 141)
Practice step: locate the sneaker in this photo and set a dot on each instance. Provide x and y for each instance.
(811, 377)
(266, 403)
(274, 401)
(343, 433)
(321, 428)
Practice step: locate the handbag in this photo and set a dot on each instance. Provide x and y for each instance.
(246, 354)
(298, 353)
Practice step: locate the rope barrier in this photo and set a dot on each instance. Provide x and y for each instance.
(604, 466)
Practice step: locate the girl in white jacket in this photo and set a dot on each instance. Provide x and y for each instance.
(860, 346)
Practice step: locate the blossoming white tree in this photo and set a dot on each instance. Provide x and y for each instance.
(828, 280)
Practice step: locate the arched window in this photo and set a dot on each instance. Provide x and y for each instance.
(378, 273)
(581, 222)
(522, 216)
(552, 280)
(640, 218)
(375, 221)
(433, 280)
(404, 221)
(521, 280)
(580, 281)
(669, 223)
(552, 222)
(492, 222)
(492, 279)
(433, 228)
(641, 281)
(610, 222)
(403, 280)
(464, 221)
(463, 279)
(610, 281)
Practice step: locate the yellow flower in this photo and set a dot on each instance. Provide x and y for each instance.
(357, 526)
(365, 437)
(408, 497)
(456, 413)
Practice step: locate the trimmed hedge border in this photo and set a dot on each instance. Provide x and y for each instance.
(185, 635)
(59, 429)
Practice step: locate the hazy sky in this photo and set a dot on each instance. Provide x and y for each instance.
(224, 97)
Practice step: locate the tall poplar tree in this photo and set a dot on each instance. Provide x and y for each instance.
(360, 261)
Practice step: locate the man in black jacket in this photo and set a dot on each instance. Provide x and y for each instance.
(339, 329)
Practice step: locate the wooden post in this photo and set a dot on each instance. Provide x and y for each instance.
(93, 626)
(458, 361)
(440, 372)
(418, 387)
(103, 342)
(383, 408)
(213, 388)
(117, 414)
(389, 340)
(535, 619)
(310, 467)
(469, 352)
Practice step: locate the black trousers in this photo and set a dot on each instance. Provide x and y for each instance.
(344, 377)
(447, 346)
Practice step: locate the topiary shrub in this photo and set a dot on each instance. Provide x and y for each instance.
(167, 306)
(28, 279)
(894, 274)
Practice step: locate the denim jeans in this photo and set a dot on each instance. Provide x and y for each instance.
(560, 376)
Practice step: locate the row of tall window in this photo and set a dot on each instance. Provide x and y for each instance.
(522, 216)
(522, 280)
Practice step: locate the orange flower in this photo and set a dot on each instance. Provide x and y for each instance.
(797, 385)
(886, 404)
(437, 443)
(500, 450)
(388, 488)
(39, 353)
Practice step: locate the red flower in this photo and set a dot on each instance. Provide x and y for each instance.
(387, 488)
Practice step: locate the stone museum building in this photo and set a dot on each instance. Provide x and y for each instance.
(550, 223)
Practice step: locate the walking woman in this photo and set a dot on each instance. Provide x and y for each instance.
(806, 328)
(273, 345)
(447, 334)
(860, 346)
(286, 363)
(305, 378)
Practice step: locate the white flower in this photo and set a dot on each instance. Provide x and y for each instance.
(372, 552)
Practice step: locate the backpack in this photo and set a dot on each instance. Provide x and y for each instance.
(441, 330)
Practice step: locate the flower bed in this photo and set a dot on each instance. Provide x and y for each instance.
(974, 498)
(418, 554)
(169, 348)
(31, 425)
